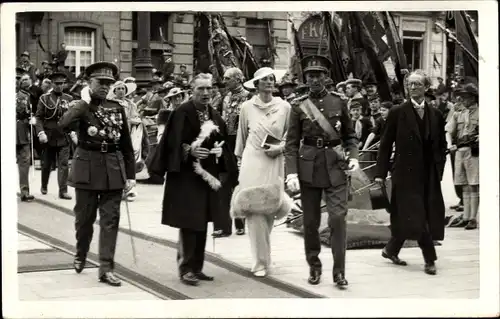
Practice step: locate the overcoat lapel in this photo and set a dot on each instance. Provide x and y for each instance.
(430, 123)
(192, 116)
(411, 121)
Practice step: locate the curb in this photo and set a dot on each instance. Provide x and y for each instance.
(209, 256)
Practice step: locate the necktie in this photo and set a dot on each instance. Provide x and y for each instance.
(420, 110)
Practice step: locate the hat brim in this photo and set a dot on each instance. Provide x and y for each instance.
(315, 69)
(131, 87)
(466, 93)
(175, 94)
(249, 84)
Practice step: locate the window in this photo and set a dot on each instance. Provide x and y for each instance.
(157, 21)
(80, 44)
(413, 48)
(258, 36)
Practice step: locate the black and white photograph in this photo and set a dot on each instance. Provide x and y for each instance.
(307, 159)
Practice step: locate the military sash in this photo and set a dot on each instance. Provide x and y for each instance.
(315, 116)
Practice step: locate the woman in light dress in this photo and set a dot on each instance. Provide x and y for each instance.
(260, 196)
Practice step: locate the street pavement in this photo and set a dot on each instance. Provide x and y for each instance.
(65, 285)
(369, 275)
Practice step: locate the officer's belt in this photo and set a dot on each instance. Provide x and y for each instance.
(101, 147)
(319, 142)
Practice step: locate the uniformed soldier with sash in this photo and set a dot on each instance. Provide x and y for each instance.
(320, 129)
(103, 167)
(23, 133)
(51, 107)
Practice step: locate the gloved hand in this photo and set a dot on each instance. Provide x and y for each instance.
(85, 94)
(42, 137)
(32, 120)
(292, 182)
(129, 185)
(353, 165)
(74, 137)
(217, 150)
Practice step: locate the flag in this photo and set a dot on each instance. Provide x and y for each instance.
(106, 41)
(299, 55)
(40, 44)
(365, 60)
(466, 37)
(396, 47)
(337, 70)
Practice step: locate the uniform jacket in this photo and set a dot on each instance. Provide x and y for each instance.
(188, 200)
(91, 169)
(22, 117)
(319, 167)
(411, 209)
(50, 109)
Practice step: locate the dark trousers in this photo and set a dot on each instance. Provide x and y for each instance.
(191, 250)
(52, 155)
(87, 203)
(425, 243)
(23, 157)
(336, 203)
(458, 188)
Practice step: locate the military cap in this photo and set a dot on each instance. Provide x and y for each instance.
(353, 82)
(355, 104)
(315, 63)
(54, 75)
(167, 52)
(102, 70)
(386, 105)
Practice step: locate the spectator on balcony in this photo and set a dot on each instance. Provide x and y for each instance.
(60, 57)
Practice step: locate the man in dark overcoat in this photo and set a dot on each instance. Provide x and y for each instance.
(51, 107)
(192, 195)
(103, 167)
(319, 130)
(417, 206)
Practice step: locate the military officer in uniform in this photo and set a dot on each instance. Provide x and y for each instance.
(316, 164)
(103, 167)
(24, 120)
(51, 107)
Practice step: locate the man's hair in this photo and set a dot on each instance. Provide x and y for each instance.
(427, 79)
(235, 73)
(47, 81)
(201, 76)
(386, 105)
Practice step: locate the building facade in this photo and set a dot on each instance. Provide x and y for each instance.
(112, 36)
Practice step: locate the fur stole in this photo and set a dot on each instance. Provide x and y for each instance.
(269, 199)
(207, 129)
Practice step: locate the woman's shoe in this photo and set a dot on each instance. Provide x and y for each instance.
(260, 273)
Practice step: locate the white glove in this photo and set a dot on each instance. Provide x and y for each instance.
(43, 137)
(85, 94)
(74, 137)
(217, 150)
(32, 120)
(292, 182)
(353, 165)
(129, 185)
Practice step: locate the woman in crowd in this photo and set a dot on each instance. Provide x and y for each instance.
(260, 196)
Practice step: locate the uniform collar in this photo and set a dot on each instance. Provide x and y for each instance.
(318, 95)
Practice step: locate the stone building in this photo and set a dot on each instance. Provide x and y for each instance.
(112, 36)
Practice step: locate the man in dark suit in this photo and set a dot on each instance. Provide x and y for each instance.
(320, 129)
(51, 107)
(24, 120)
(193, 163)
(103, 167)
(417, 206)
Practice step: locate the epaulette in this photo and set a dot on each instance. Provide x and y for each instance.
(299, 99)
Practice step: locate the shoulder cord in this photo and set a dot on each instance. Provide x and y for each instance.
(55, 108)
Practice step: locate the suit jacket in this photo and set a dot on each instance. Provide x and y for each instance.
(91, 169)
(50, 109)
(23, 110)
(319, 167)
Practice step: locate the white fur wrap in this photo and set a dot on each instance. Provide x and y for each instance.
(269, 199)
(206, 130)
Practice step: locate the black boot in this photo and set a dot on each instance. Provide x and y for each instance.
(340, 280)
(314, 277)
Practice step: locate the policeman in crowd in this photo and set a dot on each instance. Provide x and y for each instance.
(51, 107)
(103, 167)
(319, 130)
(24, 120)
